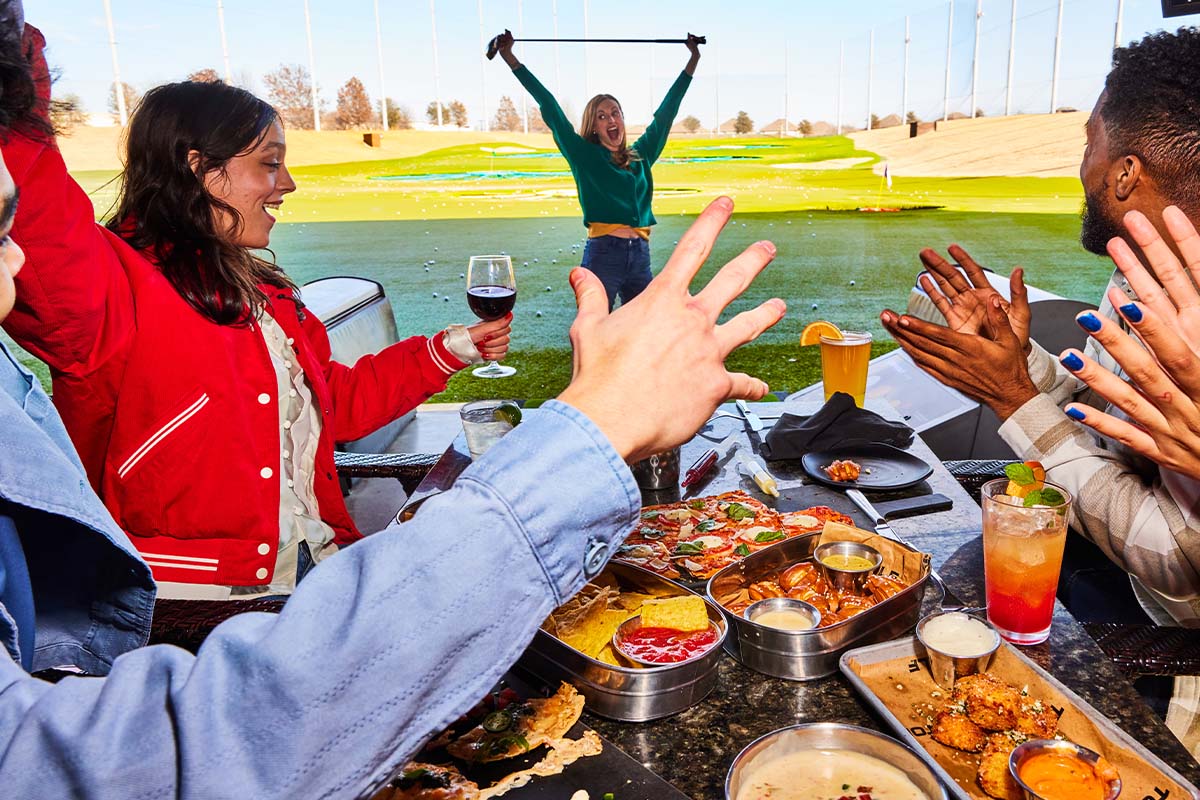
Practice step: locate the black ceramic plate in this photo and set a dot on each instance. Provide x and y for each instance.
(889, 468)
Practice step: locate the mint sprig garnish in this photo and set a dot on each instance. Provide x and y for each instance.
(1020, 474)
(1045, 497)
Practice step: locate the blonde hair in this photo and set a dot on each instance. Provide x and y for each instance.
(587, 129)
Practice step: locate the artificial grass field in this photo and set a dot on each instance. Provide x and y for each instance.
(389, 230)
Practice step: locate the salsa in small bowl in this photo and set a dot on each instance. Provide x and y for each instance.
(655, 646)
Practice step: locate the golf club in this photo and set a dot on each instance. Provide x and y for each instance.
(492, 48)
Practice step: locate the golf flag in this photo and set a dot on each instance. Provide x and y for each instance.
(887, 176)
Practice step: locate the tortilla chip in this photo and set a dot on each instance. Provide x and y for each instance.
(686, 613)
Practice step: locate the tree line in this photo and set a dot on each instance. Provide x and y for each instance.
(290, 91)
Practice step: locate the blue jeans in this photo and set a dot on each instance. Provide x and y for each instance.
(622, 265)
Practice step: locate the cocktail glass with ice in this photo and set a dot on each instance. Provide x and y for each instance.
(485, 422)
(1022, 556)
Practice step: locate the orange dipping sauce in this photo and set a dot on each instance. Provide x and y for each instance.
(1057, 776)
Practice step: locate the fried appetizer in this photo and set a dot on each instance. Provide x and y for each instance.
(843, 471)
(953, 729)
(519, 727)
(990, 703)
(994, 776)
(882, 587)
(1037, 720)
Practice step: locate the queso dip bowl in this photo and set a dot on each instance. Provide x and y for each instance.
(834, 738)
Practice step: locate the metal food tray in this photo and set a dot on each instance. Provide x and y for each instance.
(628, 694)
(908, 648)
(807, 655)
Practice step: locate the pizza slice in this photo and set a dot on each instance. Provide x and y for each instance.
(811, 520)
(520, 727)
(421, 781)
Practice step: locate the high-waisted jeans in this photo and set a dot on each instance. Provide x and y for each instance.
(622, 265)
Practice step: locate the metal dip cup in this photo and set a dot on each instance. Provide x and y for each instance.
(659, 471)
(757, 608)
(847, 580)
(1036, 746)
(946, 668)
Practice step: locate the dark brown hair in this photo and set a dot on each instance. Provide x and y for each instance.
(1152, 110)
(164, 208)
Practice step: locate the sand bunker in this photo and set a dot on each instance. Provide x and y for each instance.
(831, 163)
(490, 175)
(506, 149)
(695, 159)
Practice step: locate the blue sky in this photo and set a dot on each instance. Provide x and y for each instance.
(743, 67)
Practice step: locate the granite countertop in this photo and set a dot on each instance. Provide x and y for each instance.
(693, 750)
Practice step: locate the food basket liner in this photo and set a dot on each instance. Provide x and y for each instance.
(901, 684)
(898, 561)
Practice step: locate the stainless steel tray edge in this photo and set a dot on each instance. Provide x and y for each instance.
(623, 693)
(907, 648)
(819, 649)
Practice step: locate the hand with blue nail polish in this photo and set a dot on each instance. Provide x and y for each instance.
(1089, 322)
(1131, 312)
(1162, 409)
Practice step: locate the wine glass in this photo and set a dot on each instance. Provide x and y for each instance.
(491, 293)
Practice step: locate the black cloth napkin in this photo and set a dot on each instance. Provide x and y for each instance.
(839, 423)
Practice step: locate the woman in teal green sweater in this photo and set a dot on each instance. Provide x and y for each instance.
(613, 180)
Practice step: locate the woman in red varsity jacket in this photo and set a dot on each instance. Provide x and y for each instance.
(200, 395)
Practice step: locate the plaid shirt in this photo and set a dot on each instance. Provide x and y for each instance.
(1141, 515)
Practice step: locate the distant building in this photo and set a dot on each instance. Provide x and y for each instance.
(676, 129)
(728, 126)
(780, 126)
(822, 129)
(890, 121)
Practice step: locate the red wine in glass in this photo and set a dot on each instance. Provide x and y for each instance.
(491, 302)
(491, 293)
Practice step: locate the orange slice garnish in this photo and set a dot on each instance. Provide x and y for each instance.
(813, 332)
(1039, 481)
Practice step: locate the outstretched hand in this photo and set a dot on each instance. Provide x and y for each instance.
(1163, 404)
(650, 373)
(963, 300)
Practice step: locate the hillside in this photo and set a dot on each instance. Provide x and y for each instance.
(90, 148)
(1032, 145)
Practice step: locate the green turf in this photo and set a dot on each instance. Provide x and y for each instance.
(542, 374)
(819, 253)
(391, 230)
(346, 192)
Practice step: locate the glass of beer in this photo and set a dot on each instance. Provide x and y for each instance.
(1022, 556)
(844, 364)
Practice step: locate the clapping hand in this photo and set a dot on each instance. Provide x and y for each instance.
(964, 304)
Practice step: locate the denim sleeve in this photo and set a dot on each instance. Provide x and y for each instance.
(382, 645)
